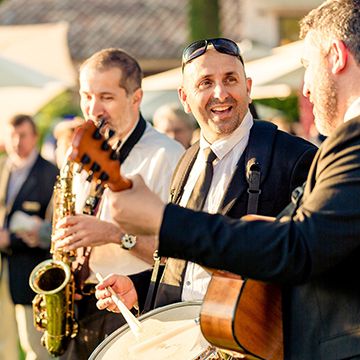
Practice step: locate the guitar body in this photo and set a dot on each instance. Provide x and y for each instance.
(244, 316)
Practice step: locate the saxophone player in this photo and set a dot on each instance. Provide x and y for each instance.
(110, 88)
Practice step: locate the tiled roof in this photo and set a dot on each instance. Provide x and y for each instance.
(148, 29)
(95, 24)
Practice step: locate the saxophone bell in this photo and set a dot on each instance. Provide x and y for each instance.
(51, 281)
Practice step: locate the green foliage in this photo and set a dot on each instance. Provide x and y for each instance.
(204, 19)
(289, 106)
(66, 104)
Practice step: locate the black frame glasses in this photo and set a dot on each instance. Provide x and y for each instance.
(198, 48)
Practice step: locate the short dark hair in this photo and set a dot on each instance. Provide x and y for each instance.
(20, 119)
(131, 73)
(339, 18)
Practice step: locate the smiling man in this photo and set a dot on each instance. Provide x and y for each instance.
(253, 166)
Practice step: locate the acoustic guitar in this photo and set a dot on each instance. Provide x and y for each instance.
(243, 315)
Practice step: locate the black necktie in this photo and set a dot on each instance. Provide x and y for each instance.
(202, 186)
(174, 272)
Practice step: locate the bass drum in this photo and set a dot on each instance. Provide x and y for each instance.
(169, 332)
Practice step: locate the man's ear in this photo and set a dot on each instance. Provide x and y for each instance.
(338, 56)
(183, 97)
(248, 87)
(137, 96)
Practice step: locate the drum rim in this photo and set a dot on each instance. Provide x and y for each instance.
(114, 334)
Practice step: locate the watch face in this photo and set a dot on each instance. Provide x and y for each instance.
(128, 241)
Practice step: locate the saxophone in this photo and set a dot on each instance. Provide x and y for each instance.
(53, 280)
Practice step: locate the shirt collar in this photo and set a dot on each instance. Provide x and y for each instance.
(353, 110)
(224, 145)
(24, 163)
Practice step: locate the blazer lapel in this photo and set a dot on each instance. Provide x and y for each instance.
(236, 188)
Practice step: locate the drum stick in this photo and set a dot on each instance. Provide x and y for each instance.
(133, 322)
(158, 339)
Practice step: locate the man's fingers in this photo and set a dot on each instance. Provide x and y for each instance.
(67, 221)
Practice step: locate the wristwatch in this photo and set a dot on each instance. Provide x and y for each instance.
(128, 241)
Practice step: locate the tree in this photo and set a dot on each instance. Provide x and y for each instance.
(204, 19)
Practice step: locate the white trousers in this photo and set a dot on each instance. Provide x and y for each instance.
(28, 335)
(8, 331)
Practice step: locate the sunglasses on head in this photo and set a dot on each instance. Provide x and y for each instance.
(198, 48)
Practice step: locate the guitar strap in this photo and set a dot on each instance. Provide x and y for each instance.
(253, 177)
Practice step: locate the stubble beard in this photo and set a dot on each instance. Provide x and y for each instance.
(227, 126)
(326, 113)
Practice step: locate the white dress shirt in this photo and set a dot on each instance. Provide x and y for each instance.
(19, 171)
(228, 151)
(353, 110)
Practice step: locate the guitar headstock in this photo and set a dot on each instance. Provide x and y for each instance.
(92, 151)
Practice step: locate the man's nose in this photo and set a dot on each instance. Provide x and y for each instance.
(220, 92)
(95, 109)
(16, 141)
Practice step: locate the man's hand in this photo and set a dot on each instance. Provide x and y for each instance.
(77, 231)
(4, 239)
(123, 287)
(137, 210)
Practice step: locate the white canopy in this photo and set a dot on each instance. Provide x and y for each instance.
(273, 76)
(35, 66)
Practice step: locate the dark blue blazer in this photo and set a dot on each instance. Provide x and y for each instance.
(33, 199)
(313, 254)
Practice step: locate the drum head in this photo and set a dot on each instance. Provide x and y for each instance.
(177, 320)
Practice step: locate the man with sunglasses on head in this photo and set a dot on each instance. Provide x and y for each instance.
(239, 166)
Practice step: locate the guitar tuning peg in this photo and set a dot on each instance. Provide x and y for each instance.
(115, 154)
(97, 135)
(104, 176)
(101, 123)
(85, 159)
(79, 168)
(99, 188)
(95, 167)
(105, 145)
(111, 133)
(90, 177)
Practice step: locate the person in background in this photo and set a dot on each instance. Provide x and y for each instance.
(26, 186)
(172, 120)
(313, 250)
